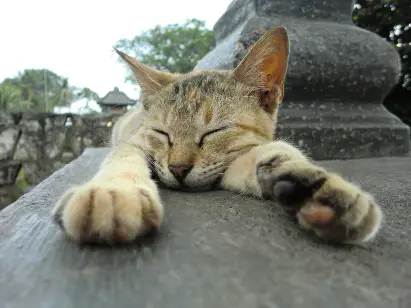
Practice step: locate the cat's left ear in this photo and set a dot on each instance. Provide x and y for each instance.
(151, 81)
(264, 67)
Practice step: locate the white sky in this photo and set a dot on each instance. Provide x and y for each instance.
(75, 38)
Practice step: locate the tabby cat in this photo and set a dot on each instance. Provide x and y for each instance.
(205, 129)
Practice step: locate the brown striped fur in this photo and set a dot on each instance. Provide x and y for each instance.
(210, 128)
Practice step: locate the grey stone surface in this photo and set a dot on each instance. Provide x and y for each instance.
(9, 192)
(8, 172)
(342, 130)
(337, 79)
(8, 139)
(217, 249)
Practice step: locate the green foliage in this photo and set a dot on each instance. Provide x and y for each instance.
(40, 90)
(174, 48)
(43, 88)
(391, 19)
(21, 182)
(88, 95)
(11, 97)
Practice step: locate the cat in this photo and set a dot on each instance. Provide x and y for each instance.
(209, 129)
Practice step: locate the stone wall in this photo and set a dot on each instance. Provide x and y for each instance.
(32, 146)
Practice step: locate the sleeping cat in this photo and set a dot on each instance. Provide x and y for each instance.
(205, 129)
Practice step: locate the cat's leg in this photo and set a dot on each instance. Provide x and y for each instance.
(335, 209)
(118, 204)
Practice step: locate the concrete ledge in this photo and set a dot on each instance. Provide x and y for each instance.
(216, 249)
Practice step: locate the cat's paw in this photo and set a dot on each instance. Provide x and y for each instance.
(333, 208)
(109, 212)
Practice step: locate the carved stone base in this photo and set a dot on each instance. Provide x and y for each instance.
(343, 130)
(337, 79)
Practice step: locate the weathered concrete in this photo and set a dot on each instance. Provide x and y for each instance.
(337, 79)
(216, 249)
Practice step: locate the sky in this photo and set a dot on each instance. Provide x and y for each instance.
(74, 38)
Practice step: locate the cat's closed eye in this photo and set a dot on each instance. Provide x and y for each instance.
(207, 134)
(164, 134)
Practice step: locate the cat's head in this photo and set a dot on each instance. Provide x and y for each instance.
(198, 123)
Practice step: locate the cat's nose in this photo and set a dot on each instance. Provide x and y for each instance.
(180, 171)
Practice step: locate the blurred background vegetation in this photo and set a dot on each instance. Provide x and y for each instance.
(175, 48)
(391, 19)
(40, 90)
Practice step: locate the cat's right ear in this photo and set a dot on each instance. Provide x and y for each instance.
(149, 80)
(264, 68)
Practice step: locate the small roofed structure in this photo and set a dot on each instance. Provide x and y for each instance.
(115, 102)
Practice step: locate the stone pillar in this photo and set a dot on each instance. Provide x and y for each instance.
(337, 79)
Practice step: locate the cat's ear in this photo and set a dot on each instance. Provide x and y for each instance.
(265, 66)
(149, 80)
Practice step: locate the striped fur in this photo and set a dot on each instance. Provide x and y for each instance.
(219, 127)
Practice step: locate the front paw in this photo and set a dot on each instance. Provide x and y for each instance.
(333, 208)
(109, 212)
(289, 182)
